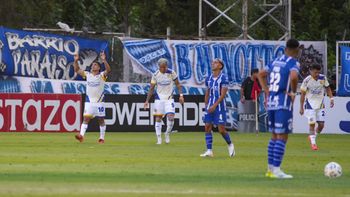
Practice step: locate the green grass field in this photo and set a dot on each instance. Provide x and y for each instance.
(131, 164)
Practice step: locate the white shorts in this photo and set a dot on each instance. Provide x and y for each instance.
(94, 110)
(315, 115)
(163, 107)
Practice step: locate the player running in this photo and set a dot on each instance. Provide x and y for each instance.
(313, 88)
(163, 80)
(215, 104)
(94, 105)
(279, 98)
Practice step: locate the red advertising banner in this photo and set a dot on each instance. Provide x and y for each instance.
(40, 112)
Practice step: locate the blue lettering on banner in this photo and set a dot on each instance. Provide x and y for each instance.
(73, 88)
(192, 60)
(253, 51)
(345, 125)
(347, 55)
(191, 90)
(184, 64)
(9, 85)
(202, 67)
(279, 51)
(241, 62)
(38, 86)
(112, 88)
(195, 91)
(147, 52)
(344, 85)
(80, 88)
(138, 89)
(267, 53)
(222, 51)
(43, 55)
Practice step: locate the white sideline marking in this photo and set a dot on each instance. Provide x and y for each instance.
(143, 191)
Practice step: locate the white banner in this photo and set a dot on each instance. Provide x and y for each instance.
(34, 85)
(191, 59)
(337, 118)
(12, 84)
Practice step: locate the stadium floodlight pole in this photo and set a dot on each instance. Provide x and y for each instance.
(112, 48)
(285, 36)
(221, 14)
(326, 56)
(245, 19)
(289, 22)
(336, 66)
(200, 20)
(268, 13)
(168, 33)
(129, 31)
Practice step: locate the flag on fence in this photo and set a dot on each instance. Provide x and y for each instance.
(255, 90)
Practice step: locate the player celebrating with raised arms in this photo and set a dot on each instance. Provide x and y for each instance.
(215, 104)
(313, 89)
(94, 105)
(163, 80)
(279, 98)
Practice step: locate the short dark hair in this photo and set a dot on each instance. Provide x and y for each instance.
(254, 70)
(315, 67)
(98, 63)
(292, 43)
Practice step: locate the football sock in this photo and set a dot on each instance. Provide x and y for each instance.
(158, 127)
(226, 136)
(278, 152)
(83, 129)
(270, 148)
(102, 132)
(312, 139)
(169, 125)
(209, 140)
(317, 133)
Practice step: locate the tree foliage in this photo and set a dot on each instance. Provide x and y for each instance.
(311, 20)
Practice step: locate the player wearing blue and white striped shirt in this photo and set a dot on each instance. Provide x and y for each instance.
(215, 113)
(279, 98)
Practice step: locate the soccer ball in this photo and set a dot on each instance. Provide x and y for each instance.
(332, 170)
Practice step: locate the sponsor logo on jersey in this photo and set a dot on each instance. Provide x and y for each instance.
(93, 84)
(164, 83)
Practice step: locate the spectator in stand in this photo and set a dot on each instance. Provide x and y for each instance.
(250, 86)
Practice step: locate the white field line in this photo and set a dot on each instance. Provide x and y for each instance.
(67, 191)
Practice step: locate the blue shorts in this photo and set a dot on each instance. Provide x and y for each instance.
(280, 121)
(216, 118)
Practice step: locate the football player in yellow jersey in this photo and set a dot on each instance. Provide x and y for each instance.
(94, 102)
(164, 80)
(312, 101)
